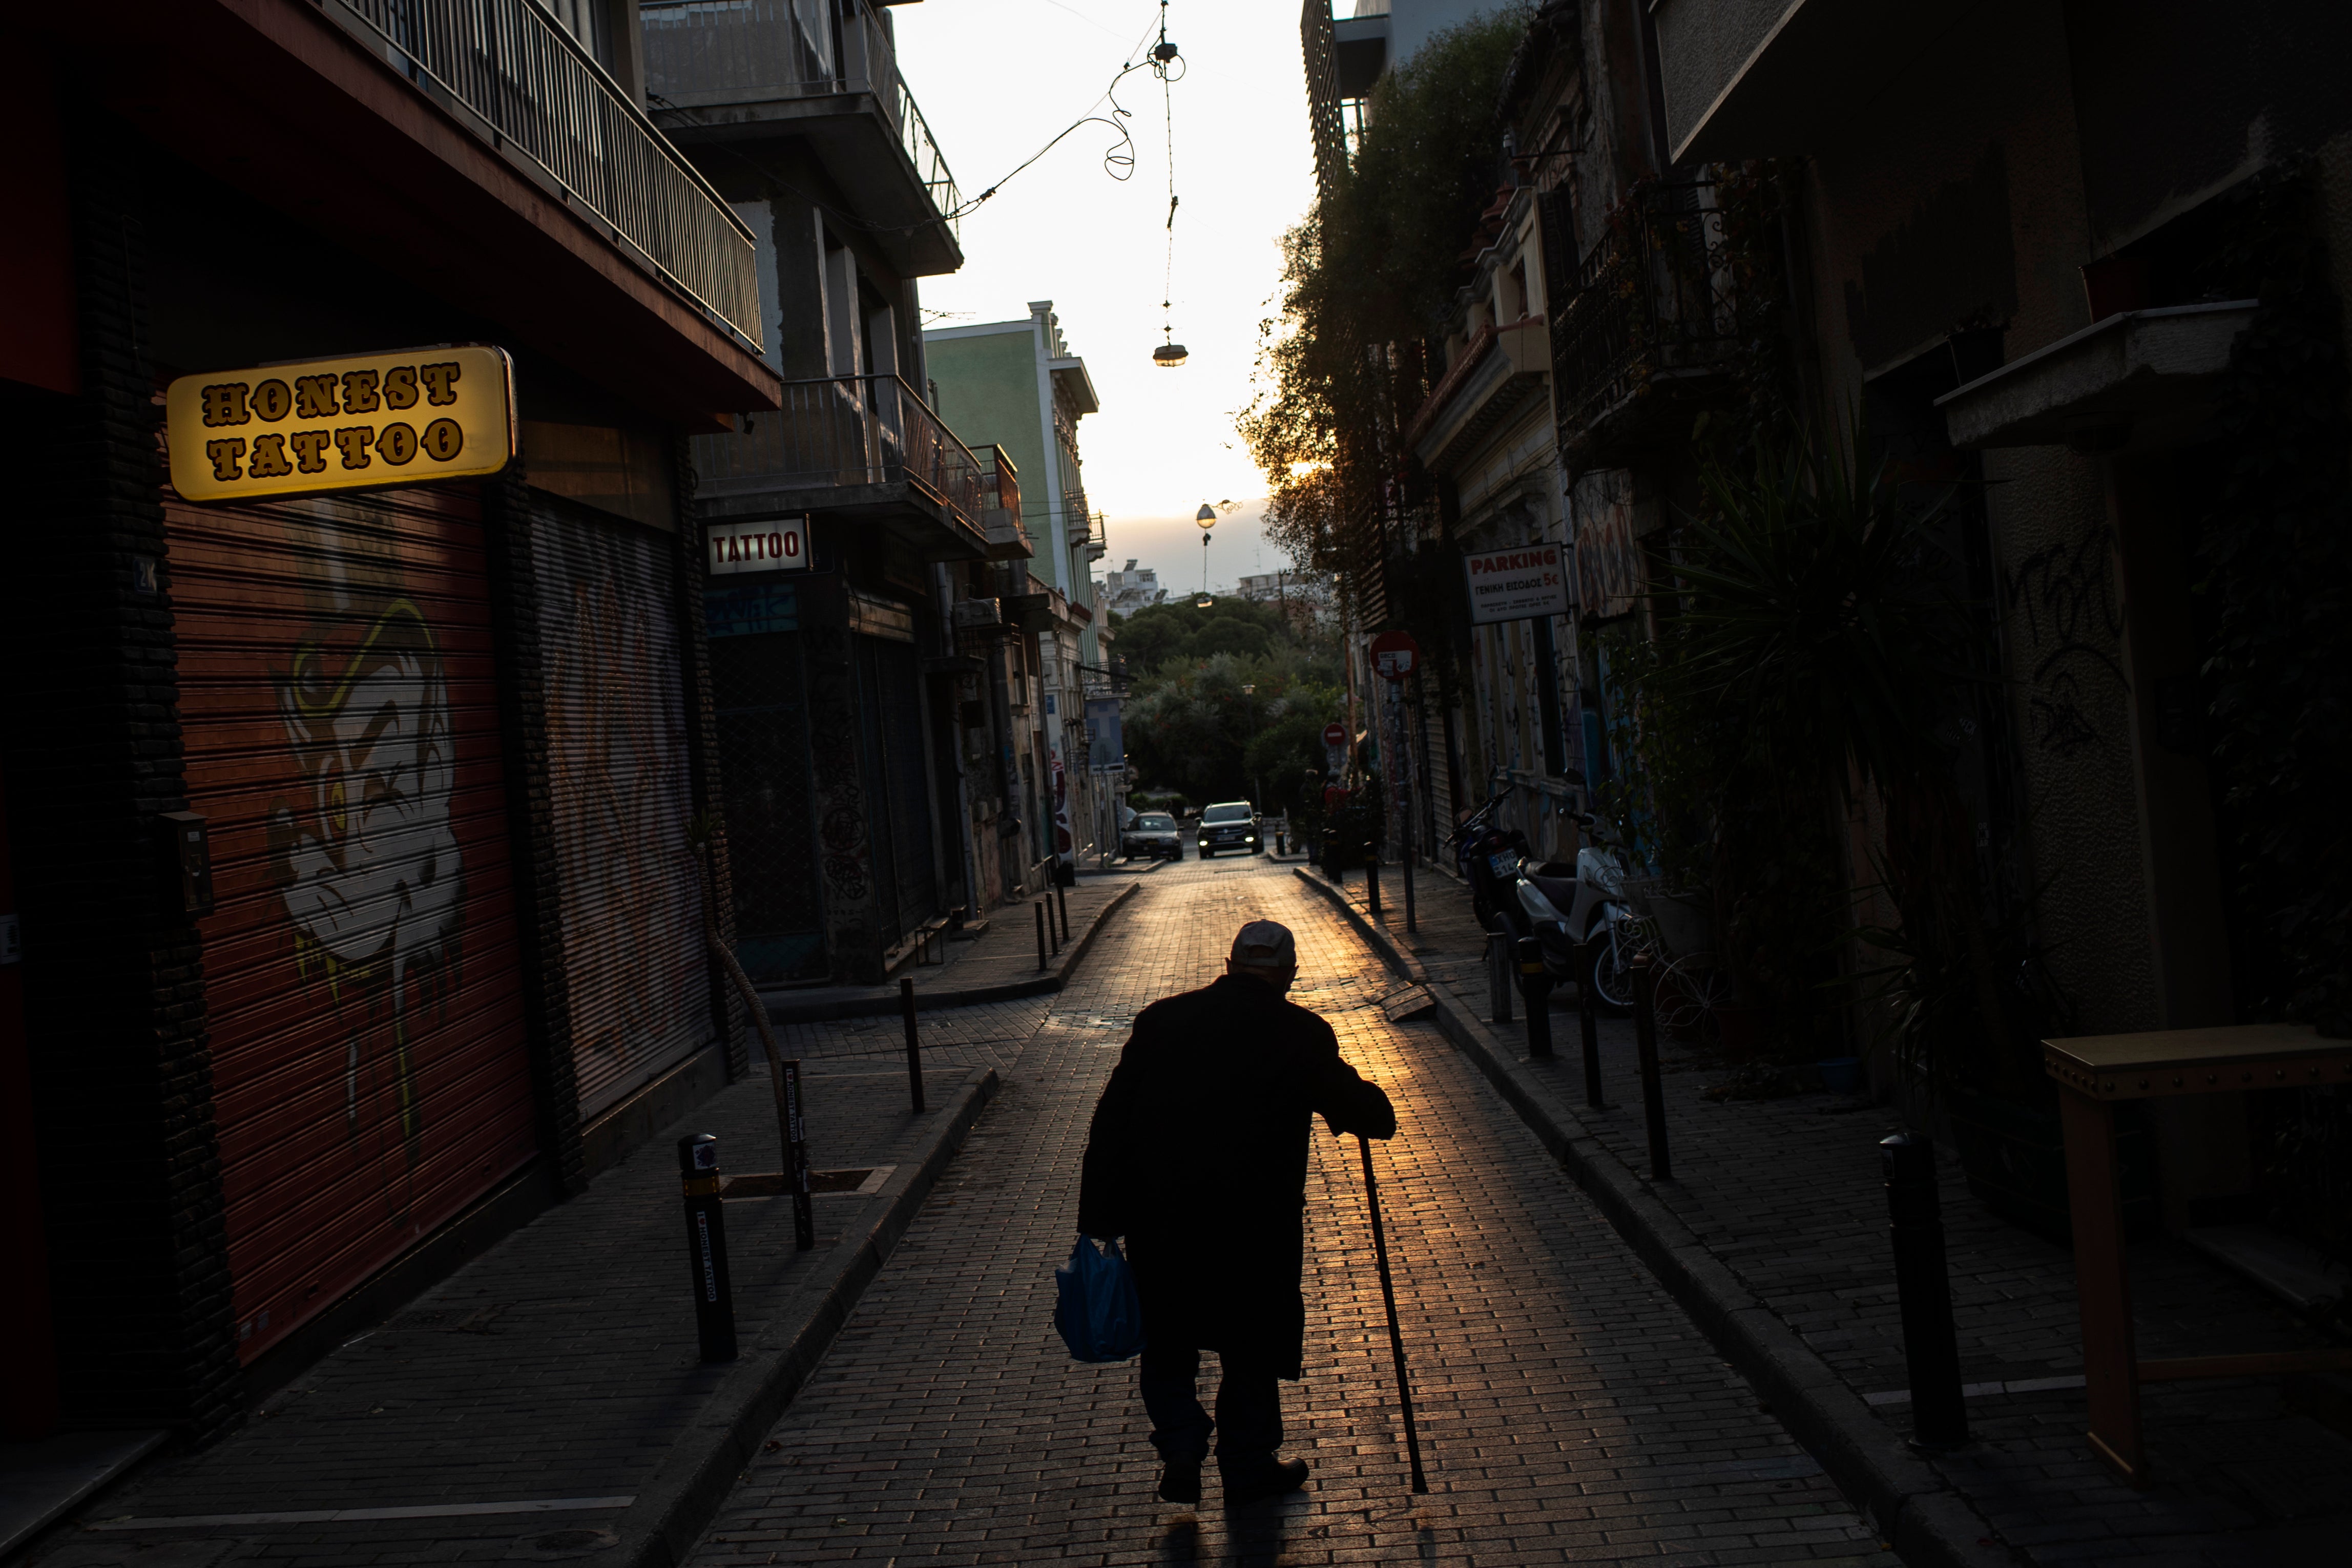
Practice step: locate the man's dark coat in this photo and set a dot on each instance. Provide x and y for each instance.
(1198, 1157)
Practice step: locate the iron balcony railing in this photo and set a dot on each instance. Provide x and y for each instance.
(1657, 300)
(700, 53)
(840, 432)
(538, 91)
(1000, 482)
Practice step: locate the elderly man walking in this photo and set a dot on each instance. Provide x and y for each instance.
(1198, 1157)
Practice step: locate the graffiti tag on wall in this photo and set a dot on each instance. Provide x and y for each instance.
(2065, 597)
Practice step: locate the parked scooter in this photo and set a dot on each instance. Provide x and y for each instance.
(1488, 856)
(1579, 915)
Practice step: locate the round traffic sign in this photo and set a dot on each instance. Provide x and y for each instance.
(1334, 735)
(1394, 654)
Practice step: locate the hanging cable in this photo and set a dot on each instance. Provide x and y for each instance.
(1167, 64)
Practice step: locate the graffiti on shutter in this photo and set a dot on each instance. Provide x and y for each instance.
(632, 903)
(370, 1075)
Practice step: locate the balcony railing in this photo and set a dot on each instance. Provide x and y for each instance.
(842, 431)
(700, 53)
(1084, 529)
(1000, 482)
(1658, 303)
(539, 92)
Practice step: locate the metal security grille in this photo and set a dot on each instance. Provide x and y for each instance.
(362, 983)
(891, 687)
(631, 892)
(757, 683)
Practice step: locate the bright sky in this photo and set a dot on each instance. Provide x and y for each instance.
(996, 79)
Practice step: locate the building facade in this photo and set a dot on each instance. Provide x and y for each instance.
(354, 908)
(2068, 270)
(1016, 385)
(837, 676)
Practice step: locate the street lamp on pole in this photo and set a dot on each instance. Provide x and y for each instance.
(1207, 517)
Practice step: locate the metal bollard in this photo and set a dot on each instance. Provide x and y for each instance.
(1041, 935)
(706, 1247)
(796, 1160)
(1372, 881)
(1654, 1093)
(914, 1045)
(1499, 976)
(1923, 1290)
(1279, 839)
(1053, 932)
(1534, 985)
(1588, 1026)
(1061, 899)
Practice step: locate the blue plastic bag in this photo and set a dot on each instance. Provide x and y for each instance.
(1096, 1306)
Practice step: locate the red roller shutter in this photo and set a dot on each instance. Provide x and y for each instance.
(360, 971)
(632, 902)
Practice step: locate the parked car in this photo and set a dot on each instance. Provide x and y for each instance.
(1152, 833)
(1232, 825)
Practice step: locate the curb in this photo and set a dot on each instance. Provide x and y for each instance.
(1054, 978)
(1930, 1524)
(670, 1513)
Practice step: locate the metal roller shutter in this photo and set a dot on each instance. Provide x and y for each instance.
(632, 902)
(897, 775)
(370, 1076)
(760, 692)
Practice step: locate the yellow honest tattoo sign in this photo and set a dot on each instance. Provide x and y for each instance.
(374, 420)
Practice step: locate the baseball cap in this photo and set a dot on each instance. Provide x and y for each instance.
(1265, 945)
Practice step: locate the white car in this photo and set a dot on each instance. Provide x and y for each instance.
(1152, 833)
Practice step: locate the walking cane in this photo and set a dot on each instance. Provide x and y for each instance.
(1396, 1335)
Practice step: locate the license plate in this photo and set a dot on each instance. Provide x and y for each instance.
(1503, 863)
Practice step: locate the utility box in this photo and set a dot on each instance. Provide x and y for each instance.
(187, 861)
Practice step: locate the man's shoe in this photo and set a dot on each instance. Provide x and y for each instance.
(1180, 1480)
(1276, 1478)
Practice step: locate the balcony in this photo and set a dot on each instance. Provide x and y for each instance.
(739, 70)
(1659, 323)
(1082, 530)
(1494, 376)
(1000, 503)
(526, 86)
(865, 447)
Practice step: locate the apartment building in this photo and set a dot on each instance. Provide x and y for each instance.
(360, 714)
(839, 690)
(1018, 386)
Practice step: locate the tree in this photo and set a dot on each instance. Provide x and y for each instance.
(1368, 277)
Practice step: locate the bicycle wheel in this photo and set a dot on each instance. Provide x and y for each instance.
(1689, 990)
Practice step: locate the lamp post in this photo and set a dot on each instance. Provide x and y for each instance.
(1207, 517)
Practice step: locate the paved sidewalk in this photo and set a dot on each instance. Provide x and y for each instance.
(547, 1402)
(1784, 1197)
(998, 965)
(1569, 1410)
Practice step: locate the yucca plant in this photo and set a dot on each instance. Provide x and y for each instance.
(1814, 614)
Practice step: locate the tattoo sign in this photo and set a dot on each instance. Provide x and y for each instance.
(365, 422)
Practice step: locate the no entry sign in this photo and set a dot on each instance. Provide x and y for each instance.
(1334, 735)
(1394, 654)
(1516, 584)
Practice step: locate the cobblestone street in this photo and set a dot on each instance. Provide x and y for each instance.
(1567, 1410)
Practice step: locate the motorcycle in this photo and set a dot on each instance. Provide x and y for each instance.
(1488, 858)
(1578, 916)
